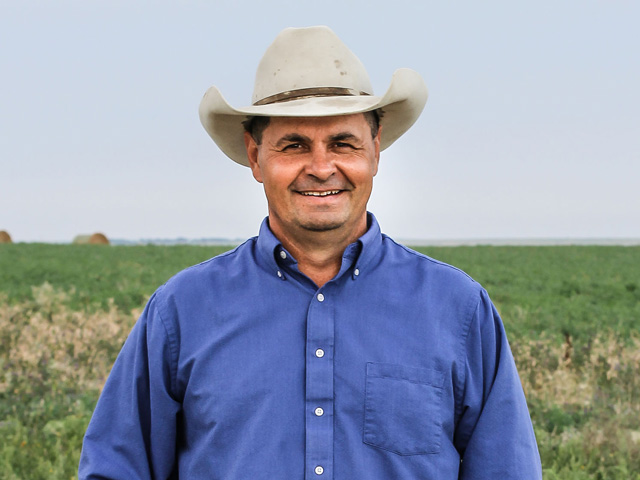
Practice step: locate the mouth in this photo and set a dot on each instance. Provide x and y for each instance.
(324, 193)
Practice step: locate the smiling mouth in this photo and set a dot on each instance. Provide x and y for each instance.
(320, 194)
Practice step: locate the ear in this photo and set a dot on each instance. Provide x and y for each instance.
(252, 154)
(376, 143)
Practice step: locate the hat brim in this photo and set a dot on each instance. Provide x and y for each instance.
(402, 103)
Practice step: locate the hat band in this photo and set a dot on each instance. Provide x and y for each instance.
(308, 93)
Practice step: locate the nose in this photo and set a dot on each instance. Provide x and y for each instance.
(320, 164)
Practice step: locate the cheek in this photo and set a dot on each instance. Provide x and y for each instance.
(279, 175)
(276, 183)
(364, 174)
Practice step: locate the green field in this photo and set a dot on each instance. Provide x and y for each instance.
(572, 315)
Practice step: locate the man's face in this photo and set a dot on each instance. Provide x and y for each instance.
(317, 173)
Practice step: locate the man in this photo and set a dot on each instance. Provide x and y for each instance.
(321, 348)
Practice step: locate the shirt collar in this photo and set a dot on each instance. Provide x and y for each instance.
(371, 243)
(358, 255)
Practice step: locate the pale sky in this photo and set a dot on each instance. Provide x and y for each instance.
(532, 128)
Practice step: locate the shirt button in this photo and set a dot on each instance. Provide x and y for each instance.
(356, 272)
(283, 254)
(319, 470)
(319, 353)
(279, 274)
(320, 297)
(319, 412)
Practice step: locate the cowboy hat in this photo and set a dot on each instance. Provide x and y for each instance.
(309, 72)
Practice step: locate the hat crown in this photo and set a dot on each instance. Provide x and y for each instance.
(307, 58)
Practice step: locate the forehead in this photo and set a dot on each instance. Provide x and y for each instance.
(352, 123)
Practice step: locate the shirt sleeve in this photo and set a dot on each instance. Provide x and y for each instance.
(494, 434)
(132, 433)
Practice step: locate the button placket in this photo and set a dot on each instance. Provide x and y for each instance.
(319, 385)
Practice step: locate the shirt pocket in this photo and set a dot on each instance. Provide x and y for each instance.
(402, 411)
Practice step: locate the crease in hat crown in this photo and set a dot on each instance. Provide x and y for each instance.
(310, 72)
(309, 58)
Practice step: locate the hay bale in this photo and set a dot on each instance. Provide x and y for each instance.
(99, 239)
(81, 239)
(5, 237)
(95, 239)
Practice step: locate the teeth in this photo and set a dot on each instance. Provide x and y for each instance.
(320, 194)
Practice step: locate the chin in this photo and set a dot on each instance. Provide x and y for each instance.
(320, 228)
(321, 224)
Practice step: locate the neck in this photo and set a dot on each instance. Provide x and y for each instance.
(319, 254)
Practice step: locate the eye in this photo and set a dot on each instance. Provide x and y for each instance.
(292, 147)
(343, 145)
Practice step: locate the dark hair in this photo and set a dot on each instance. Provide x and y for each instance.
(255, 125)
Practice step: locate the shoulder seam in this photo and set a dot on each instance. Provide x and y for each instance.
(233, 251)
(173, 344)
(228, 253)
(472, 307)
(428, 258)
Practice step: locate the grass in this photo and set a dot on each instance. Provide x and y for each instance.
(574, 290)
(95, 274)
(572, 315)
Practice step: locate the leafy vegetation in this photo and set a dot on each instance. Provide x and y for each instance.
(556, 290)
(572, 314)
(95, 274)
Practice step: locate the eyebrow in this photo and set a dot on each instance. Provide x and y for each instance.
(292, 138)
(338, 137)
(298, 138)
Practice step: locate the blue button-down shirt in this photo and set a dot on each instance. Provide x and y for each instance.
(241, 368)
